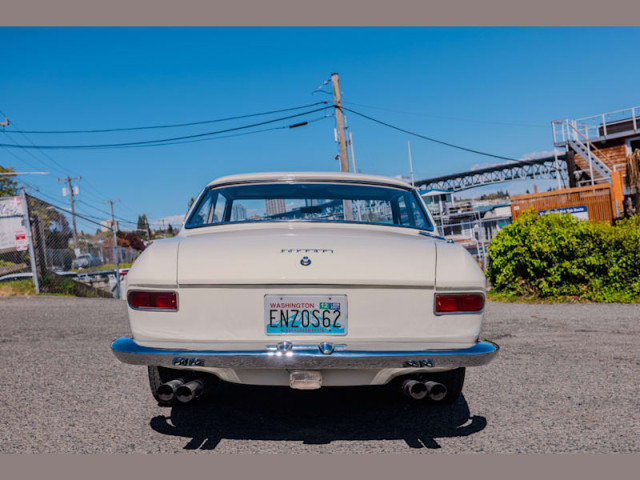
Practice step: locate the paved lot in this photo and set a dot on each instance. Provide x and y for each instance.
(567, 380)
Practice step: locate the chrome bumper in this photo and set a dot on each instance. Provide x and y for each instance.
(314, 357)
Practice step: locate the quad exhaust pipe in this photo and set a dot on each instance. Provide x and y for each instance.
(190, 390)
(419, 390)
(167, 391)
(180, 389)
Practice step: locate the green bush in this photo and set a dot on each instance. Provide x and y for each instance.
(559, 256)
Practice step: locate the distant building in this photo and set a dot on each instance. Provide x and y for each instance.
(437, 200)
(472, 223)
(106, 225)
(275, 206)
(238, 212)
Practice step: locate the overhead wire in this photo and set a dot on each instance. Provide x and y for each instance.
(281, 127)
(164, 140)
(106, 213)
(446, 117)
(174, 125)
(82, 215)
(61, 168)
(435, 140)
(29, 164)
(43, 193)
(178, 140)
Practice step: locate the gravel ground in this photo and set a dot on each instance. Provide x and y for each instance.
(566, 380)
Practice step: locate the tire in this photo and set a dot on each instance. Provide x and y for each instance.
(453, 380)
(158, 376)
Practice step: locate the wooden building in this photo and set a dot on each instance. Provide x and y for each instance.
(598, 150)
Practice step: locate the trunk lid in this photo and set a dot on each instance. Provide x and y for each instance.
(336, 255)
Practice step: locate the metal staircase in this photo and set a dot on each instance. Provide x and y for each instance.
(594, 162)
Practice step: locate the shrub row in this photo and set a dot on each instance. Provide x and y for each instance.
(559, 256)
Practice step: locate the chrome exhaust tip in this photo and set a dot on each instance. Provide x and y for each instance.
(414, 389)
(190, 391)
(167, 391)
(436, 391)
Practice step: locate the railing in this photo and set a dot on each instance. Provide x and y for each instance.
(581, 137)
(597, 127)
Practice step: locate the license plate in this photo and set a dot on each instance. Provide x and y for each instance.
(305, 314)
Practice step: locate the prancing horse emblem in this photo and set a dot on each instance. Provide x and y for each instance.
(305, 261)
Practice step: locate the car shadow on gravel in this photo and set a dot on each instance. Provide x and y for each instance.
(242, 412)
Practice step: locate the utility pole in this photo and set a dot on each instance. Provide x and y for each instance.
(353, 165)
(68, 180)
(410, 162)
(353, 155)
(115, 246)
(342, 142)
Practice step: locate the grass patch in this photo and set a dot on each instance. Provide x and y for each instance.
(97, 268)
(17, 288)
(25, 288)
(49, 286)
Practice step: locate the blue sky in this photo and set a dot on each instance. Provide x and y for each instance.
(492, 89)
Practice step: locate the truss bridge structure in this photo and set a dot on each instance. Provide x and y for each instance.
(547, 168)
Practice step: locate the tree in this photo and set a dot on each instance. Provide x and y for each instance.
(8, 186)
(57, 229)
(143, 224)
(131, 240)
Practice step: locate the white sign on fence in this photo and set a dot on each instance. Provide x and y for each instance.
(577, 212)
(22, 243)
(11, 221)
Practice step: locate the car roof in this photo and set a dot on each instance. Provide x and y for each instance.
(308, 176)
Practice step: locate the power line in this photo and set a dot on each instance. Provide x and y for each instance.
(54, 165)
(39, 160)
(58, 166)
(48, 157)
(282, 127)
(19, 158)
(458, 119)
(76, 214)
(106, 213)
(165, 143)
(174, 125)
(50, 197)
(435, 140)
(164, 140)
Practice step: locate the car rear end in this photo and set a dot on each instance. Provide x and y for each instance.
(306, 304)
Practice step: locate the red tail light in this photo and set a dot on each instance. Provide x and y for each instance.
(459, 302)
(167, 301)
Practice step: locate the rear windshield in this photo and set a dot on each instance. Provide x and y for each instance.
(309, 202)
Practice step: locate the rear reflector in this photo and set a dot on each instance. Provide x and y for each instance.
(167, 301)
(459, 303)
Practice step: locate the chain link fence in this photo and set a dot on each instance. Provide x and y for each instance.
(43, 245)
(475, 233)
